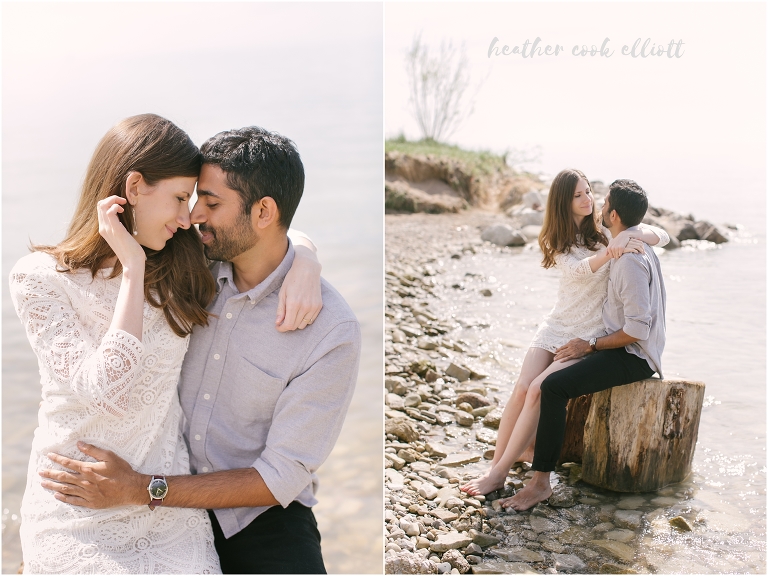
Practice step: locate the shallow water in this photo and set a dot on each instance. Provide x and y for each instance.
(715, 334)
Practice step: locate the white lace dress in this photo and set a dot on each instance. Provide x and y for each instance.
(578, 312)
(106, 388)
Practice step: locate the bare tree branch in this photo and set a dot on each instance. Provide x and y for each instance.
(437, 85)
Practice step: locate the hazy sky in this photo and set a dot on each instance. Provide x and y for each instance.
(658, 119)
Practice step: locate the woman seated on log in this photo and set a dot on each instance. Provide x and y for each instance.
(573, 240)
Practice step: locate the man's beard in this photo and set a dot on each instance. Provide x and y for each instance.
(228, 243)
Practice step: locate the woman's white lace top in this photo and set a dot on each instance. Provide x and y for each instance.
(578, 312)
(107, 388)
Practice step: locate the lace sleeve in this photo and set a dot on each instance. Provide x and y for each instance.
(660, 232)
(102, 373)
(573, 266)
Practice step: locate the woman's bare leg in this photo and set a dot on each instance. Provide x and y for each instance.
(535, 362)
(522, 435)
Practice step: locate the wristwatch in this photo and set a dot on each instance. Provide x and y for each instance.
(158, 489)
(593, 344)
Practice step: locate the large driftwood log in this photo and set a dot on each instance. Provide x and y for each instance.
(575, 419)
(640, 437)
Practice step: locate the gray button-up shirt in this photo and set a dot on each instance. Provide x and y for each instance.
(636, 303)
(256, 397)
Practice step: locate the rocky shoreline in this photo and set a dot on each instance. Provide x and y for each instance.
(442, 411)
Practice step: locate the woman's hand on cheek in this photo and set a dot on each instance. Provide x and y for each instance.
(299, 299)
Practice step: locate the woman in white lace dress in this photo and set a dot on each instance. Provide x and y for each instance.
(573, 241)
(108, 313)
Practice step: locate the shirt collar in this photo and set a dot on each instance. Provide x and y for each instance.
(266, 287)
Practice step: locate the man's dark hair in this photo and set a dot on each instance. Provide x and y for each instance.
(629, 201)
(259, 163)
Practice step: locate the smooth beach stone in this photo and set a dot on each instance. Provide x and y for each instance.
(631, 503)
(483, 540)
(665, 501)
(518, 554)
(492, 419)
(631, 519)
(539, 524)
(563, 498)
(473, 399)
(552, 546)
(474, 548)
(620, 535)
(438, 450)
(457, 371)
(575, 535)
(460, 459)
(502, 568)
(486, 435)
(395, 480)
(603, 527)
(394, 401)
(681, 523)
(444, 515)
(411, 400)
(428, 491)
(450, 541)
(569, 563)
(610, 568)
(464, 418)
(402, 428)
(617, 549)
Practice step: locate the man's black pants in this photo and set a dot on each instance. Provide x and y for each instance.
(599, 371)
(278, 541)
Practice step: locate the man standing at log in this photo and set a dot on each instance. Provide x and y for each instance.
(633, 314)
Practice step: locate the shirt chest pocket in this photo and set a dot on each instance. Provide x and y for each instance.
(255, 393)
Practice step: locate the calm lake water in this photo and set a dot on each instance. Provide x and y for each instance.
(315, 90)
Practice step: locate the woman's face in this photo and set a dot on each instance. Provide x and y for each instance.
(582, 200)
(162, 209)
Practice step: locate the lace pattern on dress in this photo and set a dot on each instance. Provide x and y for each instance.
(111, 389)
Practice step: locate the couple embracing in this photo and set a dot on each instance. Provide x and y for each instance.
(193, 382)
(607, 328)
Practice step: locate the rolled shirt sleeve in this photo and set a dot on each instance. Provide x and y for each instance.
(309, 414)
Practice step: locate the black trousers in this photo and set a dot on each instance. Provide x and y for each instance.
(278, 541)
(599, 371)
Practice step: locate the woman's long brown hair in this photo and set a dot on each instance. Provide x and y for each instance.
(176, 278)
(559, 231)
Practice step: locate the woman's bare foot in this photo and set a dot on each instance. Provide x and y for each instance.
(488, 482)
(537, 490)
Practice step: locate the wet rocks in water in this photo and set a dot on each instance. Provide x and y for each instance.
(569, 563)
(503, 235)
(563, 497)
(681, 524)
(628, 519)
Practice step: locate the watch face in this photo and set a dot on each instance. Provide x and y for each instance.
(158, 488)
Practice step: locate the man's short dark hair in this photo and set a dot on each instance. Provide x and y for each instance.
(629, 201)
(259, 163)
